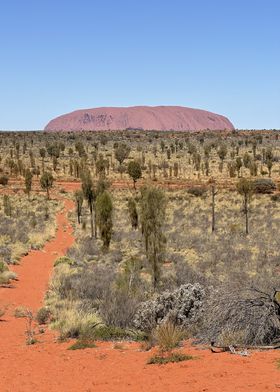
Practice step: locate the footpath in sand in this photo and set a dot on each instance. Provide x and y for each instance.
(48, 367)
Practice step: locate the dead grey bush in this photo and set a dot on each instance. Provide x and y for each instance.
(252, 313)
(182, 306)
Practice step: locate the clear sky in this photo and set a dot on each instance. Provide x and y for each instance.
(60, 55)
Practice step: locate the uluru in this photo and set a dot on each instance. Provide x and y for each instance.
(158, 118)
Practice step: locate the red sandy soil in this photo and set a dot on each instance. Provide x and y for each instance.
(47, 366)
(159, 118)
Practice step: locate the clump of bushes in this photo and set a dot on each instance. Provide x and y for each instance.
(43, 315)
(264, 186)
(93, 302)
(197, 191)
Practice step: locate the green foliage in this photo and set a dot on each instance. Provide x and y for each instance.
(246, 160)
(134, 171)
(90, 195)
(245, 187)
(222, 152)
(79, 199)
(107, 333)
(122, 152)
(82, 344)
(3, 267)
(28, 181)
(104, 211)
(63, 260)
(153, 205)
(133, 214)
(46, 182)
(171, 358)
(43, 315)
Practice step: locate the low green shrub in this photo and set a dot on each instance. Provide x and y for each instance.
(82, 344)
(43, 315)
(171, 358)
(63, 260)
(106, 333)
(3, 267)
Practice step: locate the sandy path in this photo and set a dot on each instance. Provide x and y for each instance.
(49, 367)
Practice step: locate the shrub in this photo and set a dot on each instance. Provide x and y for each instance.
(171, 358)
(168, 336)
(4, 180)
(2, 312)
(7, 276)
(264, 186)
(197, 191)
(3, 267)
(118, 308)
(5, 254)
(43, 315)
(20, 312)
(72, 323)
(275, 197)
(106, 333)
(247, 315)
(181, 306)
(82, 344)
(63, 260)
(104, 210)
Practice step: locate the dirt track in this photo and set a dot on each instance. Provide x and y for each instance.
(48, 367)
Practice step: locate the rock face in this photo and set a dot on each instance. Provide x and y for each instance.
(158, 118)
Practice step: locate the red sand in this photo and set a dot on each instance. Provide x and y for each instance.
(158, 118)
(48, 367)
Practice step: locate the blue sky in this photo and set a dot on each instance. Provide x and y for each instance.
(60, 55)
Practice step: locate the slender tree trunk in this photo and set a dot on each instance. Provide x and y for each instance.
(155, 270)
(95, 222)
(79, 214)
(246, 214)
(213, 208)
(91, 219)
(48, 194)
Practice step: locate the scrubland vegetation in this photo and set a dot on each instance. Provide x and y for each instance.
(176, 234)
(26, 223)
